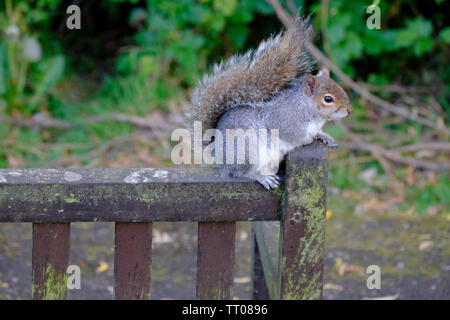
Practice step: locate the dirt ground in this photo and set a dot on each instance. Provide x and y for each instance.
(412, 252)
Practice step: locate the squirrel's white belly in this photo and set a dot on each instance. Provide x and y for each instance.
(312, 129)
(269, 159)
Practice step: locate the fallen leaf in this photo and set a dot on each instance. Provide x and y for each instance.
(345, 267)
(14, 162)
(102, 267)
(368, 175)
(394, 297)
(243, 236)
(241, 279)
(161, 237)
(425, 245)
(329, 214)
(149, 160)
(331, 286)
(434, 210)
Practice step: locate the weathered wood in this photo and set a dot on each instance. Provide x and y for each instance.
(132, 260)
(303, 224)
(131, 195)
(50, 259)
(259, 286)
(267, 236)
(216, 242)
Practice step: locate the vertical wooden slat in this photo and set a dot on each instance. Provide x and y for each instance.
(216, 242)
(50, 258)
(259, 286)
(132, 260)
(302, 233)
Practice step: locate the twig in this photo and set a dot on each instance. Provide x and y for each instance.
(440, 146)
(40, 121)
(37, 121)
(282, 14)
(396, 88)
(380, 153)
(375, 150)
(395, 158)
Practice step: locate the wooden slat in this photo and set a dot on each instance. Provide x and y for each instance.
(216, 243)
(303, 224)
(267, 236)
(259, 286)
(131, 195)
(50, 259)
(132, 260)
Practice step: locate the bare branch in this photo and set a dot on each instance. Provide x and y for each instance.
(395, 158)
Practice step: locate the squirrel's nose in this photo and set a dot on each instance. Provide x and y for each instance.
(349, 108)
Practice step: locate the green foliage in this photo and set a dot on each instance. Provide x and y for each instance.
(175, 41)
(162, 47)
(433, 194)
(405, 35)
(26, 77)
(178, 39)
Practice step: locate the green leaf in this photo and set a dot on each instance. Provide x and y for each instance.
(405, 38)
(445, 35)
(2, 69)
(263, 7)
(225, 7)
(423, 46)
(354, 45)
(377, 79)
(148, 65)
(335, 32)
(238, 34)
(374, 43)
(420, 27)
(52, 69)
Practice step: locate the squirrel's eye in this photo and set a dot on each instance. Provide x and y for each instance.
(328, 99)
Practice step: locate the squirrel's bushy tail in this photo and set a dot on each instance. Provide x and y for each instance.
(254, 76)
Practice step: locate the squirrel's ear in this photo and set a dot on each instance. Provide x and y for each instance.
(324, 72)
(310, 84)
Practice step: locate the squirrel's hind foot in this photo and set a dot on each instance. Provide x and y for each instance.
(269, 181)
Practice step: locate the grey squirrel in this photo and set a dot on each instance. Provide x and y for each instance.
(271, 88)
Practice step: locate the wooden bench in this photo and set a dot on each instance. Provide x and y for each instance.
(287, 255)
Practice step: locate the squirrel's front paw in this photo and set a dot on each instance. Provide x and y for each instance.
(327, 140)
(270, 181)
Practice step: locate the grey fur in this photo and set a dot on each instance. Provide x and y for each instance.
(255, 76)
(269, 88)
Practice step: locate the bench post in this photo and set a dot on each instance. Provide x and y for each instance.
(215, 260)
(50, 259)
(302, 227)
(132, 260)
